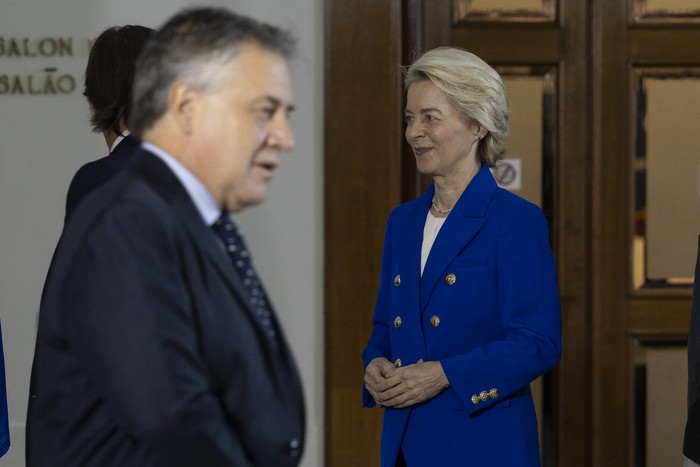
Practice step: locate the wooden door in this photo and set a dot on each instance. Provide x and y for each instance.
(644, 57)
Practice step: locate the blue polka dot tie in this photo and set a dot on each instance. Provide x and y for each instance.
(233, 240)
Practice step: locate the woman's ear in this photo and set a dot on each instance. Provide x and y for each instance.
(481, 131)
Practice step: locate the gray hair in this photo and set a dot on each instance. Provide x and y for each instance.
(476, 90)
(193, 46)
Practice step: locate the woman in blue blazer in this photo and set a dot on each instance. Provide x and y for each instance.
(467, 313)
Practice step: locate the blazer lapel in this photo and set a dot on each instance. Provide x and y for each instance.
(460, 227)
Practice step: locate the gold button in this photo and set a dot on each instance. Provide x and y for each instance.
(450, 279)
(397, 363)
(493, 393)
(435, 321)
(475, 399)
(484, 396)
(397, 280)
(397, 322)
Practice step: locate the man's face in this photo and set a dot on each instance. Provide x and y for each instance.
(240, 128)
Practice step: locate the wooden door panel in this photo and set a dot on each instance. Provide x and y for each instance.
(362, 140)
(627, 316)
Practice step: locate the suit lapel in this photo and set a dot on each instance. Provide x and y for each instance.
(166, 183)
(161, 179)
(460, 227)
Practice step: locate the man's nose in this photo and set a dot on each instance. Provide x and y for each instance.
(281, 135)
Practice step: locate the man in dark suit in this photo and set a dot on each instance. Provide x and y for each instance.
(109, 78)
(691, 443)
(157, 345)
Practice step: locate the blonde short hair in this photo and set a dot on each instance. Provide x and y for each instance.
(476, 89)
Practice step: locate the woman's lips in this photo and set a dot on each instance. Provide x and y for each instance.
(421, 151)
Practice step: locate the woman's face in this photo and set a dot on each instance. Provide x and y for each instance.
(443, 143)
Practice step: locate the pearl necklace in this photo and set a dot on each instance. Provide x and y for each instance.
(438, 209)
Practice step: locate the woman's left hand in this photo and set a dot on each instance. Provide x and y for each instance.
(412, 384)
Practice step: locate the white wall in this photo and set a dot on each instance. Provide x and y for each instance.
(45, 138)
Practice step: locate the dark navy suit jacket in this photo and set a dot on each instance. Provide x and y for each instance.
(96, 173)
(148, 351)
(487, 308)
(691, 443)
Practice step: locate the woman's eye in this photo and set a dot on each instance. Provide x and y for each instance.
(408, 118)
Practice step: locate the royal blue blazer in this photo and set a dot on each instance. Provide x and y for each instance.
(486, 307)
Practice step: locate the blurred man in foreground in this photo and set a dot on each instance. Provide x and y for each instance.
(157, 344)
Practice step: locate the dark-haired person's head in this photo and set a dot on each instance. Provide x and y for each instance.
(109, 75)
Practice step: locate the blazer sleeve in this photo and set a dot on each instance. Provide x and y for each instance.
(127, 297)
(529, 312)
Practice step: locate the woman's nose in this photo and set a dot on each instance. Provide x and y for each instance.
(413, 131)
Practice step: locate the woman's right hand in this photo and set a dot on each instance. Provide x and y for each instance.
(376, 374)
(405, 386)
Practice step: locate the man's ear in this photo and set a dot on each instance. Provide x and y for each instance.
(181, 101)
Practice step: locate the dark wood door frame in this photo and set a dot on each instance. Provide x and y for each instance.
(362, 142)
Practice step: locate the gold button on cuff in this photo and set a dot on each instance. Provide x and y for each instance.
(450, 279)
(475, 399)
(493, 393)
(397, 280)
(435, 321)
(397, 322)
(397, 363)
(484, 396)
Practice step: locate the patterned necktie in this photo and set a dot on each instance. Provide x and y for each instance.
(233, 240)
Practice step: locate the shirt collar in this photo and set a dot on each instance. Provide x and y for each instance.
(119, 139)
(199, 194)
